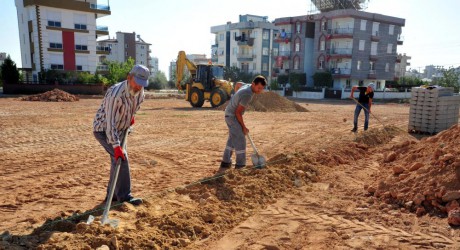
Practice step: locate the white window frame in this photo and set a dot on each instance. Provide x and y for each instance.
(387, 67)
(322, 45)
(362, 44)
(374, 46)
(363, 24)
(358, 65)
(391, 29)
(390, 48)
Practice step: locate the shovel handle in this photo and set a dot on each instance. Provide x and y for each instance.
(252, 144)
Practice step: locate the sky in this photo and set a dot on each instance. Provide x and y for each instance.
(430, 35)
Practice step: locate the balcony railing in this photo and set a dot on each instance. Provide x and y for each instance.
(283, 53)
(245, 56)
(102, 28)
(341, 31)
(340, 71)
(400, 40)
(340, 51)
(99, 7)
(102, 48)
(282, 36)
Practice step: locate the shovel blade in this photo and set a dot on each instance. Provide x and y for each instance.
(258, 161)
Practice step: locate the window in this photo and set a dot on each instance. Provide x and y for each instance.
(126, 45)
(371, 66)
(322, 45)
(375, 28)
(265, 35)
(80, 26)
(374, 48)
(56, 45)
(221, 37)
(81, 47)
(297, 27)
(265, 51)
(54, 23)
(321, 64)
(57, 66)
(324, 25)
(348, 83)
(391, 29)
(297, 45)
(363, 24)
(361, 44)
(142, 46)
(235, 50)
(254, 66)
(390, 48)
(264, 67)
(296, 62)
(79, 68)
(358, 65)
(387, 67)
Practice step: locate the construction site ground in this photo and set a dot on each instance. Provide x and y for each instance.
(313, 194)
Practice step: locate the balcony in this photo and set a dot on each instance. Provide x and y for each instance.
(340, 51)
(246, 42)
(372, 74)
(282, 37)
(340, 72)
(283, 55)
(74, 5)
(102, 31)
(373, 58)
(400, 40)
(375, 36)
(245, 57)
(102, 50)
(340, 33)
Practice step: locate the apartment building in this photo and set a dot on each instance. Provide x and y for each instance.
(247, 44)
(402, 62)
(293, 46)
(155, 66)
(123, 47)
(60, 35)
(357, 47)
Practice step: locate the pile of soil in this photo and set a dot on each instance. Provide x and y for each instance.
(164, 96)
(374, 137)
(422, 176)
(55, 95)
(188, 214)
(271, 102)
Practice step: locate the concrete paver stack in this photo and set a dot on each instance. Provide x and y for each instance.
(433, 110)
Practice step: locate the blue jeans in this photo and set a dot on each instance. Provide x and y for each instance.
(123, 187)
(366, 115)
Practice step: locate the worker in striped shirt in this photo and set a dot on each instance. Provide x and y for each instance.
(113, 119)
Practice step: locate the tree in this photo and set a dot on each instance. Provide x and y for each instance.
(449, 79)
(322, 79)
(159, 81)
(119, 71)
(9, 71)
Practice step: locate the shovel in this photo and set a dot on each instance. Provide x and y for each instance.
(105, 217)
(257, 160)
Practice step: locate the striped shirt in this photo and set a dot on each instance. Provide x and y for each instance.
(117, 109)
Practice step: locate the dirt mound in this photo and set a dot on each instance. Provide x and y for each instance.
(55, 95)
(164, 96)
(374, 137)
(191, 213)
(420, 176)
(271, 102)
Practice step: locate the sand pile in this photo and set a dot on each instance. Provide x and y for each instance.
(423, 176)
(55, 95)
(374, 137)
(164, 96)
(271, 102)
(181, 217)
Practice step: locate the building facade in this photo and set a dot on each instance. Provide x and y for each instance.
(60, 35)
(125, 46)
(247, 44)
(357, 47)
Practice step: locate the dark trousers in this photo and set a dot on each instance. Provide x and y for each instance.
(123, 187)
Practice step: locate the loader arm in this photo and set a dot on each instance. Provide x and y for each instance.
(182, 62)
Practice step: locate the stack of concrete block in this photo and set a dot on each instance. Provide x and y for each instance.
(433, 110)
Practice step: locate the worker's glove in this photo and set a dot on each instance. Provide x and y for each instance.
(132, 121)
(118, 151)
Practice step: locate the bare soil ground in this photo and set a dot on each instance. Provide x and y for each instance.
(314, 194)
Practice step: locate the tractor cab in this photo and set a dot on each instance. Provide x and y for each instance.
(205, 74)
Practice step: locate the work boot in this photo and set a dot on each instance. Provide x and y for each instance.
(135, 201)
(354, 130)
(224, 166)
(239, 166)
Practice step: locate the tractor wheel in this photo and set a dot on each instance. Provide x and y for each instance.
(218, 97)
(196, 98)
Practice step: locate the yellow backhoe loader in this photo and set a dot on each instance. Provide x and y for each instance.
(206, 83)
